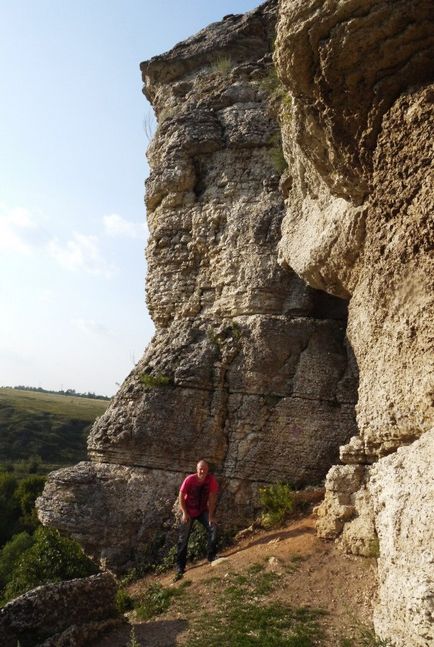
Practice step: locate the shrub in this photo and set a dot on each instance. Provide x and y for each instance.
(277, 501)
(167, 562)
(11, 553)
(124, 602)
(27, 492)
(52, 558)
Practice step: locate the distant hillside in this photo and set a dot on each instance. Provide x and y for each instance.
(52, 427)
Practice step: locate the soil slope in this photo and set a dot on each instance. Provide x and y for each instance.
(312, 573)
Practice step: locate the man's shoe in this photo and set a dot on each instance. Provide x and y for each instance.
(178, 576)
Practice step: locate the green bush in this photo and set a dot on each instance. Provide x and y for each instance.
(52, 558)
(27, 492)
(124, 602)
(17, 504)
(11, 553)
(277, 501)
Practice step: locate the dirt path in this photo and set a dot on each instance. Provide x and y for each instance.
(314, 573)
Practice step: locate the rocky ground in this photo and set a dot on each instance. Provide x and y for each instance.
(289, 566)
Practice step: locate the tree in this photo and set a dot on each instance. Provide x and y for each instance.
(27, 492)
(9, 507)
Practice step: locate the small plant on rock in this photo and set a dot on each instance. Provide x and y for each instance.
(133, 639)
(222, 65)
(276, 153)
(152, 381)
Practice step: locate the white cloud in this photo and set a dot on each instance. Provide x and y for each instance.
(81, 252)
(90, 327)
(47, 296)
(17, 228)
(116, 226)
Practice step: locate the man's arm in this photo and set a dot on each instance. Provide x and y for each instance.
(183, 506)
(212, 502)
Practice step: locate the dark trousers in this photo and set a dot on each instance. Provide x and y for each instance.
(184, 534)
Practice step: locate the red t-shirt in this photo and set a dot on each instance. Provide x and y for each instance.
(196, 493)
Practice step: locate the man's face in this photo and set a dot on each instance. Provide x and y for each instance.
(201, 470)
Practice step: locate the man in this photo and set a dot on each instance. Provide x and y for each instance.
(197, 500)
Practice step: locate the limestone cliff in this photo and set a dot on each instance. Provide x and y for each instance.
(249, 366)
(357, 125)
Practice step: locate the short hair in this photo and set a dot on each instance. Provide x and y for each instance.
(202, 460)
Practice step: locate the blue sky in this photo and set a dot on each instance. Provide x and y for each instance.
(72, 168)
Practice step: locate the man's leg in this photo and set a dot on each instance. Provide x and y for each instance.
(184, 534)
(211, 530)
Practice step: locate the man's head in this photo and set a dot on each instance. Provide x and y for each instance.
(202, 469)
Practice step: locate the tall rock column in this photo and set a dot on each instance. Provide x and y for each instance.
(249, 366)
(357, 127)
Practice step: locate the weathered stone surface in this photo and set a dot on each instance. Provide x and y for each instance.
(249, 366)
(357, 126)
(63, 614)
(402, 490)
(344, 64)
(110, 509)
(358, 219)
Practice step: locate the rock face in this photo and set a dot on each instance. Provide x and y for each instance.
(249, 366)
(357, 126)
(62, 614)
(402, 489)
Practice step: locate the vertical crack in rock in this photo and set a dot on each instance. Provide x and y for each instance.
(246, 364)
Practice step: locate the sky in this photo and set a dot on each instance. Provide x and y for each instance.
(72, 169)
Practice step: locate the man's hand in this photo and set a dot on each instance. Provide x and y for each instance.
(185, 517)
(212, 521)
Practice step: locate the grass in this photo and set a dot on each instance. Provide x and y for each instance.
(222, 65)
(241, 614)
(39, 431)
(365, 637)
(243, 617)
(65, 405)
(246, 608)
(156, 599)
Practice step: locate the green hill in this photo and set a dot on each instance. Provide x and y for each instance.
(50, 429)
